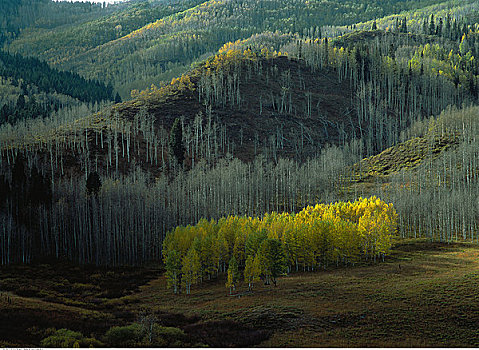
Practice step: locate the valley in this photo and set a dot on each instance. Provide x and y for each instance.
(239, 173)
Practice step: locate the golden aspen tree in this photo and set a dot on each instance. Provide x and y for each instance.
(173, 271)
(252, 271)
(191, 267)
(233, 275)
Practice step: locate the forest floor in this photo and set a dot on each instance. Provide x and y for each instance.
(425, 294)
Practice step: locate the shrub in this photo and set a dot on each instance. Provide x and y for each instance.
(126, 336)
(168, 336)
(65, 338)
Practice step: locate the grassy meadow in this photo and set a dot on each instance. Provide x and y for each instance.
(424, 294)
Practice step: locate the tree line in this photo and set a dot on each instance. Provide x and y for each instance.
(47, 79)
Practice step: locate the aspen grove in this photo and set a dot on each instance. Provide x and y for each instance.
(318, 236)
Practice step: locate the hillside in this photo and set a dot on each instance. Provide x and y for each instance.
(31, 89)
(46, 15)
(134, 58)
(273, 97)
(413, 20)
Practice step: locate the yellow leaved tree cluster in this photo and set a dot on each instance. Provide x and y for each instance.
(318, 236)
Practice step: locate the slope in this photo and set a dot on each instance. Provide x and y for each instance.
(24, 16)
(162, 49)
(432, 177)
(57, 44)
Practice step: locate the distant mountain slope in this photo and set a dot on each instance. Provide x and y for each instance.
(465, 11)
(47, 79)
(44, 15)
(165, 48)
(60, 43)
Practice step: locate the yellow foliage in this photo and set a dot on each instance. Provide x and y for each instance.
(135, 93)
(341, 232)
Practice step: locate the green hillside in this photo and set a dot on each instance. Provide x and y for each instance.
(46, 15)
(166, 47)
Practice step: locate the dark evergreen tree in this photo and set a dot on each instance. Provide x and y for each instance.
(432, 26)
(21, 102)
(117, 98)
(439, 27)
(19, 178)
(40, 191)
(471, 81)
(272, 259)
(93, 183)
(404, 26)
(176, 141)
(4, 189)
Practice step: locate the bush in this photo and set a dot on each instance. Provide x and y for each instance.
(65, 338)
(126, 336)
(28, 292)
(168, 336)
(136, 335)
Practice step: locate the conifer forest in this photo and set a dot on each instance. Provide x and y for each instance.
(239, 173)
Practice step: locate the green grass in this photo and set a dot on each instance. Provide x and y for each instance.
(404, 156)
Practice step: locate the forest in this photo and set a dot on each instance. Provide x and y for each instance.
(229, 152)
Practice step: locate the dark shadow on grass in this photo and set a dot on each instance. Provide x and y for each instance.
(429, 246)
(226, 334)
